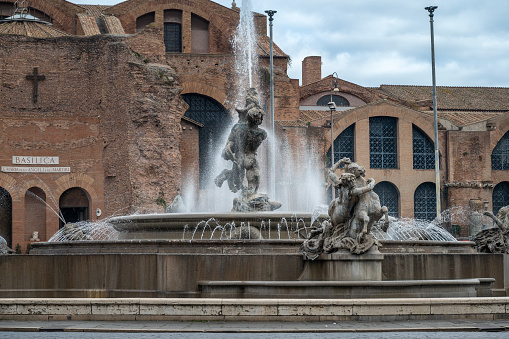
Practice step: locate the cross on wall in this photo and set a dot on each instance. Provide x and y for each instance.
(35, 77)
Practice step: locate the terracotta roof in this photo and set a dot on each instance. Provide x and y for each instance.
(308, 116)
(113, 25)
(452, 98)
(263, 43)
(94, 10)
(462, 119)
(30, 28)
(88, 24)
(291, 123)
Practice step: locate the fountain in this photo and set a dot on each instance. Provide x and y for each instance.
(255, 251)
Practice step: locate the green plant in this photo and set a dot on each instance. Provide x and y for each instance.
(160, 201)
(18, 249)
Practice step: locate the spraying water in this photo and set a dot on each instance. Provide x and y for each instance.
(244, 46)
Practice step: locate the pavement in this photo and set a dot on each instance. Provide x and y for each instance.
(460, 325)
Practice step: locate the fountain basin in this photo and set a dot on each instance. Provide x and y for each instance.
(273, 225)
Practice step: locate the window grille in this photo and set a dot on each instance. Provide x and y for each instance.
(500, 154)
(500, 196)
(424, 150)
(216, 121)
(173, 37)
(389, 197)
(425, 207)
(343, 146)
(383, 142)
(338, 99)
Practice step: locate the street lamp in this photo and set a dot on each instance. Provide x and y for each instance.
(431, 9)
(332, 107)
(271, 13)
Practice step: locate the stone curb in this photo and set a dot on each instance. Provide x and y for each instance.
(187, 309)
(231, 330)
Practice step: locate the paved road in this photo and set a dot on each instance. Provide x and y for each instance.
(384, 335)
(451, 329)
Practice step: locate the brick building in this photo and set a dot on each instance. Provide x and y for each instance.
(110, 105)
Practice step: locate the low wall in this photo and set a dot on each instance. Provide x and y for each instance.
(254, 309)
(162, 268)
(177, 275)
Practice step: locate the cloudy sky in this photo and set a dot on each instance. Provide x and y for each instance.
(373, 42)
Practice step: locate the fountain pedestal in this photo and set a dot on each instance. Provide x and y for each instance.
(344, 266)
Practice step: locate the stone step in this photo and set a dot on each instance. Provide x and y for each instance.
(456, 288)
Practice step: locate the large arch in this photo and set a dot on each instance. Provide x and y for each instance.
(195, 87)
(386, 108)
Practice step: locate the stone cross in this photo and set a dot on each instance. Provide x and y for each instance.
(35, 77)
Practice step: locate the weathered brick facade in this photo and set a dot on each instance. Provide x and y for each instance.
(110, 108)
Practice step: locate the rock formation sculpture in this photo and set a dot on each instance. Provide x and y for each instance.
(243, 142)
(496, 239)
(351, 214)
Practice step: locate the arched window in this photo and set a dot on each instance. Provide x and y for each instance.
(216, 121)
(500, 196)
(35, 213)
(500, 154)
(6, 216)
(144, 20)
(383, 142)
(389, 196)
(173, 30)
(423, 147)
(74, 205)
(338, 99)
(425, 207)
(343, 145)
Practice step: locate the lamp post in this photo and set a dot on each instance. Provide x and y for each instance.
(271, 13)
(332, 107)
(431, 9)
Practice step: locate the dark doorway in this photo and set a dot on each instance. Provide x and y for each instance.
(6, 216)
(216, 121)
(74, 205)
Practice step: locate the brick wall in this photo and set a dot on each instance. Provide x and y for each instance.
(109, 116)
(311, 69)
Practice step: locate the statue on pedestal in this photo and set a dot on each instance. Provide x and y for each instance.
(243, 142)
(495, 239)
(351, 214)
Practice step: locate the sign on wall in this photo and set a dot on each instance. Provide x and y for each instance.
(24, 160)
(15, 169)
(30, 160)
